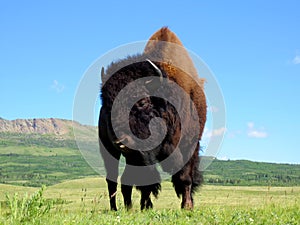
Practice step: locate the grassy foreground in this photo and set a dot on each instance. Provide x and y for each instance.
(85, 201)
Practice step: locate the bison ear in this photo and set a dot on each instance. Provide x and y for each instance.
(102, 73)
(153, 84)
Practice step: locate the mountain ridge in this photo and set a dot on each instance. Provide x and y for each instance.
(62, 128)
(40, 126)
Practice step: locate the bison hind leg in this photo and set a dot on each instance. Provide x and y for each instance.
(197, 175)
(187, 180)
(153, 187)
(146, 191)
(182, 183)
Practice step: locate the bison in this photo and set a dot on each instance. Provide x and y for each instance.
(174, 120)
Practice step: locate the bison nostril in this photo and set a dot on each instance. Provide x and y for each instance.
(117, 142)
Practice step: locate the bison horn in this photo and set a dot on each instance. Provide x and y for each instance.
(156, 69)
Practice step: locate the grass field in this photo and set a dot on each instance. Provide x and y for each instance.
(240, 192)
(85, 201)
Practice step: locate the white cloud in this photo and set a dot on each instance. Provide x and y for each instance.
(219, 132)
(254, 132)
(296, 60)
(250, 125)
(234, 133)
(212, 109)
(57, 86)
(257, 134)
(214, 133)
(224, 158)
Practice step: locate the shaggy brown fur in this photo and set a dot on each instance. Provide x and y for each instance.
(186, 76)
(167, 52)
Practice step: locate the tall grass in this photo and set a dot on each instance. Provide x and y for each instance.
(27, 208)
(211, 215)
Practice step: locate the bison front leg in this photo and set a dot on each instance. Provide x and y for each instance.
(111, 163)
(111, 179)
(126, 192)
(126, 187)
(112, 191)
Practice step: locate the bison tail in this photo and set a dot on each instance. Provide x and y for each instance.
(155, 190)
(197, 174)
(197, 180)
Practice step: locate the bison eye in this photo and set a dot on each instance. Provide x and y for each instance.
(143, 104)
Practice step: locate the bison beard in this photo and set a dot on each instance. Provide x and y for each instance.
(140, 169)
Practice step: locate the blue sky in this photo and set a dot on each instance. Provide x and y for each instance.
(252, 47)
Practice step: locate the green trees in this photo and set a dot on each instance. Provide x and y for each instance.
(243, 172)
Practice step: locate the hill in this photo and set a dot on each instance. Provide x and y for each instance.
(244, 172)
(44, 151)
(41, 151)
(41, 132)
(60, 128)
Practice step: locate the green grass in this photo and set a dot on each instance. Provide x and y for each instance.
(85, 201)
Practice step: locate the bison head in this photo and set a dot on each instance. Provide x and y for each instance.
(136, 120)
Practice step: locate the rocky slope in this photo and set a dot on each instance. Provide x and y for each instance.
(52, 126)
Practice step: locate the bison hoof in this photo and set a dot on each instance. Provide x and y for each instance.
(113, 209)
(187, 205)
(147, 205)
(129, 206)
